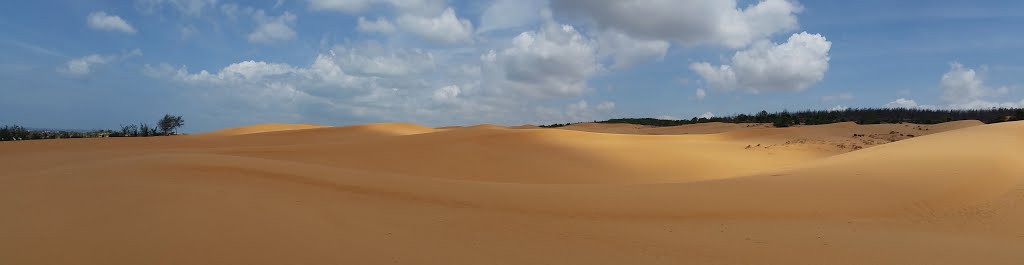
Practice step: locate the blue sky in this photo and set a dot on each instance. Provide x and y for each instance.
(98, 64)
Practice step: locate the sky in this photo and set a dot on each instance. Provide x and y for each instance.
(219, 63)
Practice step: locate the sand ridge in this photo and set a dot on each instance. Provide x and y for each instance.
(262, 128)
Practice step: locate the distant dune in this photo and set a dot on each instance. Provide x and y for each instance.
(262, 128)
(398, 193)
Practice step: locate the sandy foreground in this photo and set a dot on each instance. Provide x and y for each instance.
(584, 194)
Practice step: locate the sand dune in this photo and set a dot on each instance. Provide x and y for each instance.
(407, 194)
(700, 128)
(262, 128)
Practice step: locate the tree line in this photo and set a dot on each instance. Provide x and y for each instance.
(858, 115)
(168, 125)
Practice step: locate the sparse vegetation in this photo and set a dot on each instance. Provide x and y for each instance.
(18, 133)
(556, 125)
(861, 116)
(168, 125)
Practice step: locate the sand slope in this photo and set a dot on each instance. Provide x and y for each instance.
(405, 194)
(262, 128)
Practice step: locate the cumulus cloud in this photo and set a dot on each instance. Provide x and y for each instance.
(964, 88)
(102, 21)
(964, 85)
(340, 85)
(380, 25)
(432, 20)
(324, 71)
(627, 51)
(273, 29)
(375, 60)
(504, 14)
(791, 66)
(902, 103)
(839, 108)
(444, 28)
(688, 21)
(576, 112)
(700, 94)
(278, 91)
(84, 65)
(267, 28)
(555, 61)
(447, 93)
(706, 115)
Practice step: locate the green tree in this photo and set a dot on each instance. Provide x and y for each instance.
(782, 120)
(762, 117)
(169, 124)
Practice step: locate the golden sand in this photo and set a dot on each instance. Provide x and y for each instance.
(587, 194)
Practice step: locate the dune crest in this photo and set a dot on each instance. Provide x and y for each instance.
(262, 128)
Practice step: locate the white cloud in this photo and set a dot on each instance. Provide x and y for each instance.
(700, 94)
(348, 6)
(976, 104)
(791, 66)
(511, 80)
(963, 88)
(273, 29)
(331, 88)
(688, 21)
(84, 65)
(706, 115)
(984, 104)
(431, 7)
(375, 60)
(627, 51)
(254, 70)
(447, 93)
(381, 25)
(839, 108)
(102, 21)
(840, 96)
(902, 103)
(504, 14)
(188, 7)
(555, 61)
(667, 117)
(432, 20)
(444, 28)
(964, 85)
(722, 77)
(580, 111)
(277, 91)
